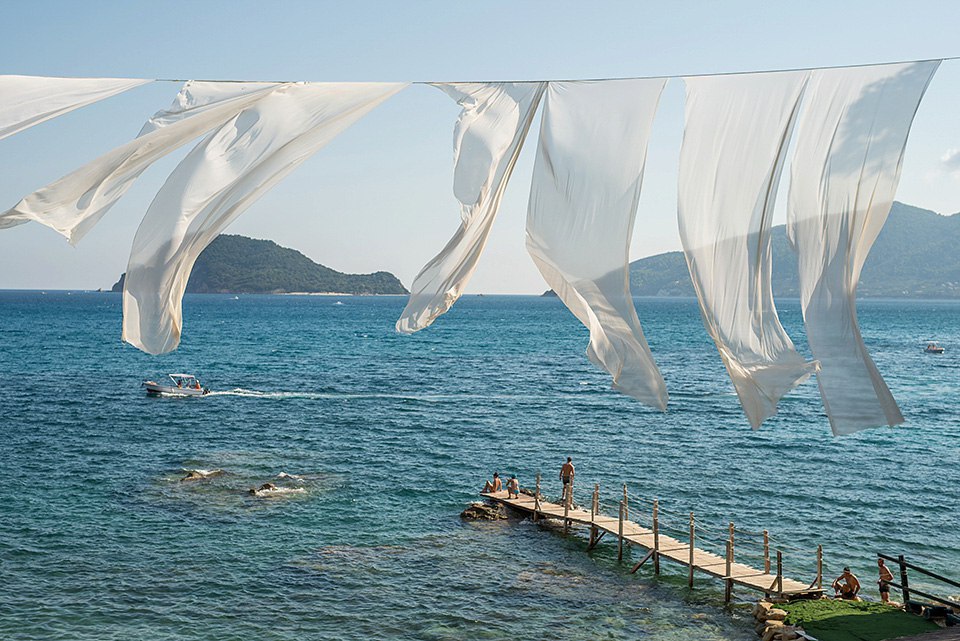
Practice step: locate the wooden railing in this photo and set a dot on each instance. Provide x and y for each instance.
(904, 583)
(665, 525)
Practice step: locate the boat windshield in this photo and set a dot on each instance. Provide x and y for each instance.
(184, 380)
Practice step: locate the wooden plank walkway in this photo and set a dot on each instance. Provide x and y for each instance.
(662, 546)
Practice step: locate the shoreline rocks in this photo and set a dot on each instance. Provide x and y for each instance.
(771, 624)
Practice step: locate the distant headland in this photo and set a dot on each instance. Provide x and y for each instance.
(239, 265)
(915, 256)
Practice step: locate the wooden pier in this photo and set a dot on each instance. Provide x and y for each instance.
(770, 580)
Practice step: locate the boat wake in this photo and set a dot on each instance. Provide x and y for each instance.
(426, 398)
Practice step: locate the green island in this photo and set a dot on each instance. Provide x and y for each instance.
(239, 265)
(915, 256)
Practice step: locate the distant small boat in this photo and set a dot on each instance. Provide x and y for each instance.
(933, 348)
(183, 385)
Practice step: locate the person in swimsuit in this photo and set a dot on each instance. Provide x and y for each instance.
(495, 486)
(566, 475)
(849, 588)
(513, 488)
(884, 581)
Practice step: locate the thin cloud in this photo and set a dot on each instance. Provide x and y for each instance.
(950, 162)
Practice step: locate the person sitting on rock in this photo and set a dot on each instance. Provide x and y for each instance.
(495, 486)
(513, 488)
(849, 588)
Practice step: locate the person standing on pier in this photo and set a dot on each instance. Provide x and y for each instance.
(566, 475)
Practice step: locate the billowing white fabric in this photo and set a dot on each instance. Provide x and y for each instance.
(222, 176)
(26, 101)
(846, 166)
(486, 142)
(74, 203)
(583, 201)
(735, 141)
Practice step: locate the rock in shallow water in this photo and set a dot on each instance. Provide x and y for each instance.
(483, 512)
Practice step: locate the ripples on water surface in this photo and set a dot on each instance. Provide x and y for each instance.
(375, 442)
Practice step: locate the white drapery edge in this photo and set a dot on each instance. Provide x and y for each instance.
(222, 176)
(487, 140)
(846, 165)
(736, 134)
(73, 204)
(26, 101)
(586, 185)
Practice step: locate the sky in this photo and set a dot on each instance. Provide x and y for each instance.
(379, 196)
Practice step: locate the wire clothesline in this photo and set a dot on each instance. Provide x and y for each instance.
(667, 76)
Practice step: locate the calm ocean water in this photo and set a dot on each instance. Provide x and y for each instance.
(380, 440)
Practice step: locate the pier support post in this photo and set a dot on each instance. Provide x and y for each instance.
(620, 541)
(594, 508)
(766, 552)
(819, 567)
(692, 539)
(903, 579)
(656, 536)
(779, 573)
(729, 582)
(536, 499)
(626, 504)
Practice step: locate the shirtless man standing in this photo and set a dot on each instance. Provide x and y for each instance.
(566, 475)
(884, 581)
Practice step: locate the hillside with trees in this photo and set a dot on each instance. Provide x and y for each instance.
(240, 265)
(915, 256)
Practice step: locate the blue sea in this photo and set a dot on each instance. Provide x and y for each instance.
(375, 442)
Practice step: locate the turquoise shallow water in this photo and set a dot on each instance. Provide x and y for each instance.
(380, 441)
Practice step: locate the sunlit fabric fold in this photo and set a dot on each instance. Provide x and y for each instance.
(735, 138)
(74, 203)
(29, 100)
(846, 165)
(222, 176)
(583, 201)
(486, 142)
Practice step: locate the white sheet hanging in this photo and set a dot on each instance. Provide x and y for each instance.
(222, 176)
(486, 142)
(583, 201)
(846, 166)
(74, 203)
(26, 101)
(735, 140)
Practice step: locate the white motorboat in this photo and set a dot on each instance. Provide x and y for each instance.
(933, 348)
(183, 385)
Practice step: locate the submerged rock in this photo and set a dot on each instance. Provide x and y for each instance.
(483, 512)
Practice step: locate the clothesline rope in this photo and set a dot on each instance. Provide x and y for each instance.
(669, 76)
